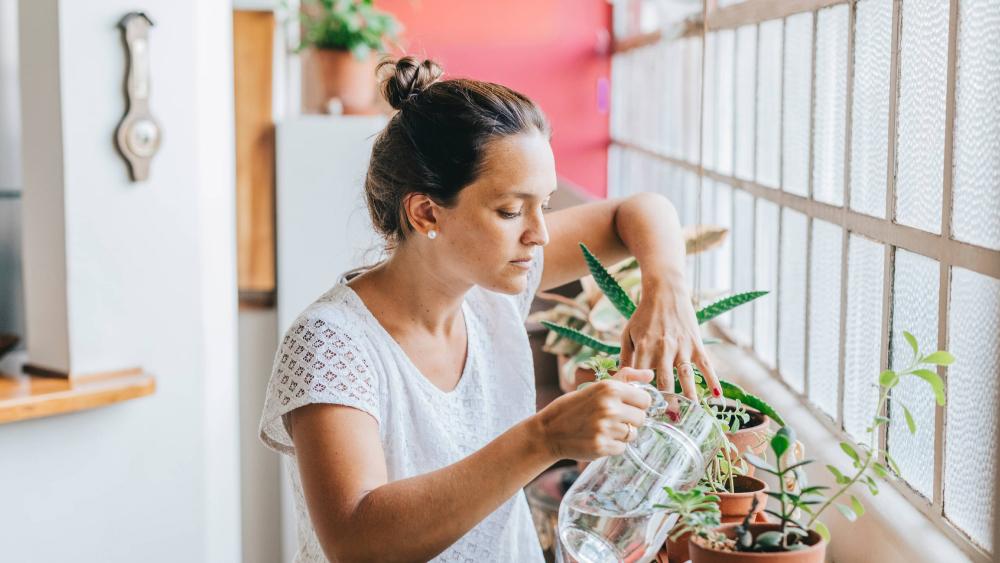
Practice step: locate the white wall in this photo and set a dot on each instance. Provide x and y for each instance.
(147, 274)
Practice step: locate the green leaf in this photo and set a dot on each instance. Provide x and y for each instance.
(888, 378)
(937, 384)
(783, 440)
(872, 486)
(581, 338)
(846, 511)
(880, 420)
(723, 305)
(707, 341)
(836, 472)
(849, 450)
(821, 530)
(940, 358)
(880, 469)
(859, 509)
(913, 342)
(909, 421)
(608, 284)
(760, 464)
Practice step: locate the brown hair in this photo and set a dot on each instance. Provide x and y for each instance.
(435, 143)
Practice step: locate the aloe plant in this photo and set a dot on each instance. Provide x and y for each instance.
(610, 287)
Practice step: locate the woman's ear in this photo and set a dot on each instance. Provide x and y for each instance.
(420, 211)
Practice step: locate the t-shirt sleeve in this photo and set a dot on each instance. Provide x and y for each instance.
(321, 359)
(534, 280)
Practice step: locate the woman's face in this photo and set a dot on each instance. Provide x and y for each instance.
(490, 234)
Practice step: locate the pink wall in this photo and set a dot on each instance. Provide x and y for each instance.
(547, 49)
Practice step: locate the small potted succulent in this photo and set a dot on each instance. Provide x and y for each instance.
(799, 536)
(343, 38)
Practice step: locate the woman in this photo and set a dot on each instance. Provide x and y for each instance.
(404, 397)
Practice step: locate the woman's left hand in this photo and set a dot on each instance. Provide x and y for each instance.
(663, 334)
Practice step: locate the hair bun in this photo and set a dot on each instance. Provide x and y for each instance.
(405, 77)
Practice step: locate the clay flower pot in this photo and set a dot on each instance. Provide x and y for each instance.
(816, 553)
(751, 435)
(734, 508)
(339, 74)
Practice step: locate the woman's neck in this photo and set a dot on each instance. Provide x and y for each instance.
(408, 292)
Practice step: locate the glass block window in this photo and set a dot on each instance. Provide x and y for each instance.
(724, 101)
(768, 168)
(830, 105)
(923, 61)
(970, 441)
(765, 333)
(826, 264)
(870, 109)
(915, 310)
(853, 152)
(797, 104)
(746, 100)
(792, 298)
(976, 167)
(865, 268)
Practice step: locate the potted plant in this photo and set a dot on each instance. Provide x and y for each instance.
(728, 476)
(592, 312)
(803, 540)
(342, 38)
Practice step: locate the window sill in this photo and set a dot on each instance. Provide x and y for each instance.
(24, 397)
(892, 529)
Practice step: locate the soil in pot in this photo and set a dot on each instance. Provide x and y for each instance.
(734, 507)
(816, 553)
(752, 435)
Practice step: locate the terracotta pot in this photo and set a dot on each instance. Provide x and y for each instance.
(816, 553)
(339, 74)
(734, 508)
(748, 436)
(663, 556)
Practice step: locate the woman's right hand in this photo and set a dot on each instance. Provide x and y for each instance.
(593, 422)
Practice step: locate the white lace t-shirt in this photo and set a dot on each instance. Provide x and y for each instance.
(337, 352)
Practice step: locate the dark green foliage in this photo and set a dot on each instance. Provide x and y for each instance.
(723, 305)
(353, 25)
(608, 284)
(582, 338)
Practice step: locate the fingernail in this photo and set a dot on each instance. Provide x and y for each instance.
(717, 392)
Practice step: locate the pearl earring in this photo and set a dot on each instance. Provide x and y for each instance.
(432, 234)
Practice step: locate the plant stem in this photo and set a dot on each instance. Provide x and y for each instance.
(732, 485)
(864, 466)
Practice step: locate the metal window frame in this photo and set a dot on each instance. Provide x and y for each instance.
(947, 251)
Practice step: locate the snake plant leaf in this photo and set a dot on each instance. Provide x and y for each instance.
(723, 305)
(582, 338)
(608, 284)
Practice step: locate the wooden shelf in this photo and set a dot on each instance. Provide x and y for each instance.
(25, 397)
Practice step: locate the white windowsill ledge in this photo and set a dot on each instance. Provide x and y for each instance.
(892, 530)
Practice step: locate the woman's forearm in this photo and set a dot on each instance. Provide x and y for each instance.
(649, 227)
(415, 519)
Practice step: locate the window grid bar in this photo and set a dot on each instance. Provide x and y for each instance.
(845, 241)
(780, 187)
(809, 191)
(982, 260)
(756, 11)
(890, 212)
(945, 291)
